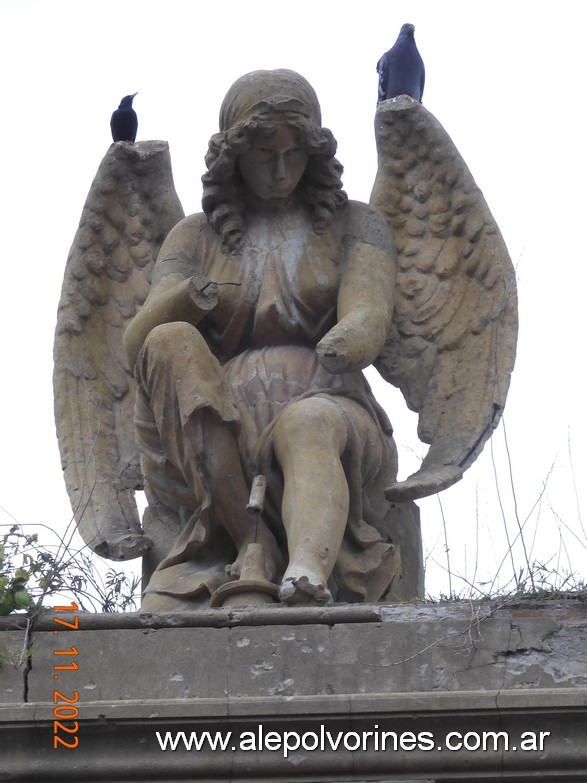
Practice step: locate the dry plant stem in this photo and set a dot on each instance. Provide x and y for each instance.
(476, 620)
(510, 551)
(528, 516)
(515, 499)
(575, 491)
(476, 533)
(446, 546)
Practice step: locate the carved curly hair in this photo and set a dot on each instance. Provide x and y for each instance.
(223, 199)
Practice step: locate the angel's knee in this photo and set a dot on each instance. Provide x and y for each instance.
(176, 336)
(310, 421)
(177, 349)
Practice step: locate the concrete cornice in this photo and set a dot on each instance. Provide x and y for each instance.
(426, 675)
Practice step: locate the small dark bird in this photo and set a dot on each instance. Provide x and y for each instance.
(123, 122)
(401, 69)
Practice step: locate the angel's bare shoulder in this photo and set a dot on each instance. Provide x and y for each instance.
(181, 252)
(364, 224)
(183, 234)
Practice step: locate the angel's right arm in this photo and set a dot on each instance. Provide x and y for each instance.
(176, 294)
(173, 299)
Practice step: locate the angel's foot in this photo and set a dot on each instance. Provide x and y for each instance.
(270, 549)
(295, 591)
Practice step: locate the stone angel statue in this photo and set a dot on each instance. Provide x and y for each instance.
(199, 357)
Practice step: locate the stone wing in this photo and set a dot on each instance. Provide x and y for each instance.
(451, 348)
(131, 207)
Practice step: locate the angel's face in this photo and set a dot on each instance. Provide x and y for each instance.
(274, 165)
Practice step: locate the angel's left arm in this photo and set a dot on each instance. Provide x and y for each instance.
(365, 296)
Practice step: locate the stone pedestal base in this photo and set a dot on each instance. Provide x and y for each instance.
(348, 693)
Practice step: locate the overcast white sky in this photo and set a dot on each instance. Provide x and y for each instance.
(507, 82)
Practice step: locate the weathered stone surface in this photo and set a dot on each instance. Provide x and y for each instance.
(455, 297)
(410, 669)
(279, 661)
(374, 649)
(258, 318)
(132, 205)
(118, 741)
(13, 657)
(135, 664)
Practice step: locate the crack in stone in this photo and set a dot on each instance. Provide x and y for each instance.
(501, 688)
(28, 649)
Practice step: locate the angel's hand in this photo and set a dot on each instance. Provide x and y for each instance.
(185, 300)
(203, 293)
(199, 287)
(334, 351)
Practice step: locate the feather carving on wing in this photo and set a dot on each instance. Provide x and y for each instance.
(131, 207)
(451, 348)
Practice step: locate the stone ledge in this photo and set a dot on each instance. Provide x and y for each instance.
(118, 742)
(536, 700)
(416, 668)
(408, 648)
(574, 607)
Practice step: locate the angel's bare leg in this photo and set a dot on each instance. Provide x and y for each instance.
(309, 440)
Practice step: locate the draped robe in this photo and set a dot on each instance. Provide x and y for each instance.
(249, 359)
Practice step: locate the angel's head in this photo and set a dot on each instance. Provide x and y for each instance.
(271, 142)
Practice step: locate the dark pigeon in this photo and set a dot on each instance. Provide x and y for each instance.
(401, 69)
(123, 122)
